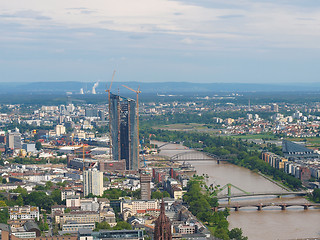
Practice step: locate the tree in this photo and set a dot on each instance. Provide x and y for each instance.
(40, 199)
(3, 203)
(158, 195)
(236, 233)
(102, 225)
(38, 145)
(222, 233)
(4, 215)
(122, 225)
(49, 184)
(19, 200)
(56, 196)
(67, 210)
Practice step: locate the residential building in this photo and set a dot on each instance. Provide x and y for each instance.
(60, 130)
(93, 182)
(25, 212)
(77, 217)
(136, 207)
(145, 181)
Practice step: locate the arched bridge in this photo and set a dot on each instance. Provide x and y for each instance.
(217, 193)
(192, 155)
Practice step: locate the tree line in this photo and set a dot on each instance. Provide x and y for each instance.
(201, 205)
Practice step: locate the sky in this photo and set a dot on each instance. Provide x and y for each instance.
(224, 41)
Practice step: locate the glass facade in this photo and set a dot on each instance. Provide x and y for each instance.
(124, 132)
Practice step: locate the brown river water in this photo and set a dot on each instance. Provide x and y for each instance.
(271, 222)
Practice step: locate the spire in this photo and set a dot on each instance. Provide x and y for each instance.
(162, 209)
(162, 230)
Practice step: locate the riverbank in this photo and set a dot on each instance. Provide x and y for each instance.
(275, 182)
(270, 224)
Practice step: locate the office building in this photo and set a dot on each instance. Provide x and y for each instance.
(93, 182)
(87, 234)
(124, 131)
(145, 181)
(14, 140)
(29, 147)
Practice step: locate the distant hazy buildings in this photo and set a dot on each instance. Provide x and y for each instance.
(93, 182)
(60, 130)
(124, 132)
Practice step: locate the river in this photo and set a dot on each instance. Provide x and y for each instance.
(271, 222)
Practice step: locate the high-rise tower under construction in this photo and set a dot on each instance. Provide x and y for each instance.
(124, 131)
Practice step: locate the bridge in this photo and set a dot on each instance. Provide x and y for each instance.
(243, 193)
(252, 194)
(260, 206)
(163, 145)
(192, 155)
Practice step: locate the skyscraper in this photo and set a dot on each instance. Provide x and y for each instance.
(93, 182)
(124, 131)
(145, 180)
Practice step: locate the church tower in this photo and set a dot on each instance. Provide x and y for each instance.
(162, 229)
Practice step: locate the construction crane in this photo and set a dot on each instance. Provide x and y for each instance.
(83, 156)
(108, 91)
(137, 92)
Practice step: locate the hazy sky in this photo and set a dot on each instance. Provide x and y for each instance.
(160, 40)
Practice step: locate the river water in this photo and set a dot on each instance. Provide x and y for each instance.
(271, 222)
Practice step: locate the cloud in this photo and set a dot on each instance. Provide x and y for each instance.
(231, 16)
(238, 23)
(187, 41)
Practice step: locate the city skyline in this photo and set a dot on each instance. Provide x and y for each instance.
(157, 41)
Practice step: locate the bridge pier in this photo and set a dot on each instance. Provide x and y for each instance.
(218, 161)
(283, 207)
(259, 207)
(306, 207)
